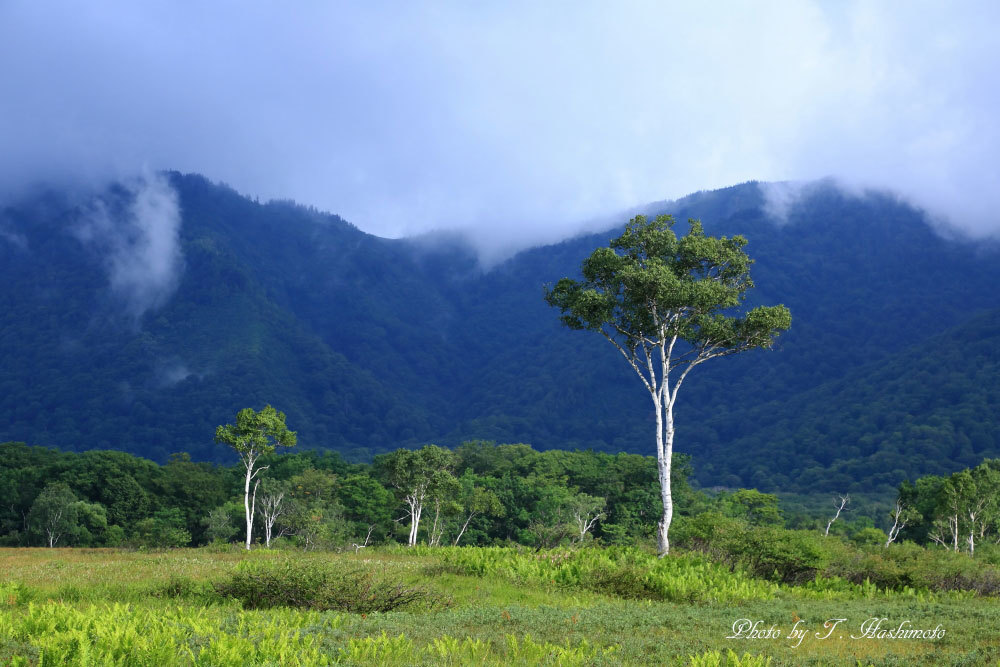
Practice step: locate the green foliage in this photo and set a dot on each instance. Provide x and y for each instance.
(53, 515)
(649, 284)
(629, 573)
(728, 658)
(769, 552)
(321, 587)
(754, 507)
(164, 530)
(79, 607)
(219, 525)
(315, 516)
(869, 537)
(256, 434)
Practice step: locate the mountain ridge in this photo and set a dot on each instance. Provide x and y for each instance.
(370, 343)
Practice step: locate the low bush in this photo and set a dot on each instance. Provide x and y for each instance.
(768, 552)
(319, 586)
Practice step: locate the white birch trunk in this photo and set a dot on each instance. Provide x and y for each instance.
(435, 538)
(843, 503)
(246, 505)
(416, 509)
(271, 508)
(664, 458)
(898, 524)
(464, 526)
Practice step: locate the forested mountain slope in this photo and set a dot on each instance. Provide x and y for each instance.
(369, 343)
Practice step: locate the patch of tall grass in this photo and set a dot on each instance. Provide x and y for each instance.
(620, 571)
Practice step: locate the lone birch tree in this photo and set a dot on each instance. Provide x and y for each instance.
(255, 434)
(664, 303)
(54, 512)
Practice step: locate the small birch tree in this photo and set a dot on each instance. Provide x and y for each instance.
(419, 477)
(54, 512)
(272, 507)
(901, 515)
(475, 500)
(255, 434)
(664, 303)
(840, 504)
(586, 511)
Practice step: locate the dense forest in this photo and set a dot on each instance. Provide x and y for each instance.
(369, 344)
(479, 493)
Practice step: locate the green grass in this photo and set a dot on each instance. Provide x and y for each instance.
(96, 607)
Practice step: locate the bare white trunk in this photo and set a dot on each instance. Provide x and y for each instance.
(464, 526)
(898, 524)
(246, 505)
(840, 508)
(434, 539)
(664, 455)
(973, 519)
(416, 509)
(50, 530)
(271, 508)
(584, 523)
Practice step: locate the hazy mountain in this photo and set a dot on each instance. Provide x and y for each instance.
(142, 318)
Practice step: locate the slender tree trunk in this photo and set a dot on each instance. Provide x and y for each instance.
(434, 538)
(897, 524)
(843, 503)
(416, 509)
(464, 526)
(664, 453)
(246, 506)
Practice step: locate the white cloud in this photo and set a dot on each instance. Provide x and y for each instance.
(139, 244)
(516, 120)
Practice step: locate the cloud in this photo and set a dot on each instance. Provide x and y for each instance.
(514, 121)
(139, 242)
(173, 371)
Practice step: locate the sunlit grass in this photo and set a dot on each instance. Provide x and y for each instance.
(102, 606)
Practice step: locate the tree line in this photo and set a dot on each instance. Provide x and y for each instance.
(479, 493)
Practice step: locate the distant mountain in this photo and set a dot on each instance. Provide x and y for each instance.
(108, 340)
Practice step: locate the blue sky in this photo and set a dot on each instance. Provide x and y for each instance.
(519, 122)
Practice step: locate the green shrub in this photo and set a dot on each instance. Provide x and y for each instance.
(943, 570)
(179, 586)
(322, 587)
(869, 537)
(769, 552)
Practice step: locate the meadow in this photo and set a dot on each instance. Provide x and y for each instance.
(458, 606)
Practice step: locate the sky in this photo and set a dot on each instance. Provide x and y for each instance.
(517, 122)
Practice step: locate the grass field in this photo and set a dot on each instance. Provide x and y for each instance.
(481, 606)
